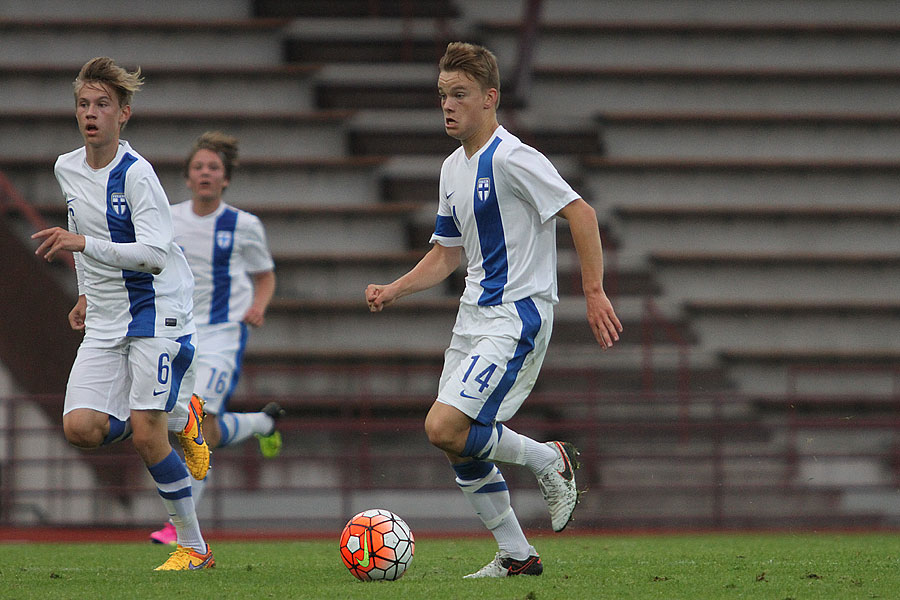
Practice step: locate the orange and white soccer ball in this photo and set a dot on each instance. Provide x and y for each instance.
(377, 544)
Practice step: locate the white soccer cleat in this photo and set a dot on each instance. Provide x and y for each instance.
(558, 485)
(506, 566)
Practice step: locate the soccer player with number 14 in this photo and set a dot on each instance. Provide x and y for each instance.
(498, 201)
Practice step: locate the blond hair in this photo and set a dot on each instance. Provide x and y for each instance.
(225, 146)
(477, 62)
(105, 71)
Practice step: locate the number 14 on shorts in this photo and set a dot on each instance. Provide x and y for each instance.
(483, 376)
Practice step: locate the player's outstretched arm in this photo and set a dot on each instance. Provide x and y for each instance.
(434, 267)
(55, 239)
(582, 219)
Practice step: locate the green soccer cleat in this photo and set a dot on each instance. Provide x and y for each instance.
(270, 445)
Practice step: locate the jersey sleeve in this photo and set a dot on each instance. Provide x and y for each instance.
(151, 213)
(537, 181)
(133, 256)
(446, 229)
(79, 268)
(255, 249)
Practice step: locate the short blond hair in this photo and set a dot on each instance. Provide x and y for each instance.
(477, 62)
(225, 146)
(105, 71)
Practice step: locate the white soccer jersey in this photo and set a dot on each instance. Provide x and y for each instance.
(223, 249)
(124, 203)
(499, 206)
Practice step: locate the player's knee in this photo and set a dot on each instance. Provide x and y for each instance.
(443, 436)
(82, 434)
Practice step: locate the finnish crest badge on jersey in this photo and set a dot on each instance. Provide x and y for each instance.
(118, 203)
(224, 239)
(483, 187)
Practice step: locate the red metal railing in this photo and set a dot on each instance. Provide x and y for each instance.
(635, 462)
(12, 201)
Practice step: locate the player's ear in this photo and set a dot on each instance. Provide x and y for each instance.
(490, 98)
(125, 114)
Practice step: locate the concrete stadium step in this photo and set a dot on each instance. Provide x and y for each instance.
(262, 90)
(766, 135)
(356, 8)
(699, 12)
(739, 506)
(773, 183)
(351, 229)
(133, 42)
(590, 91)
(369, 39)
(343, 323)
(256, 183)
(389, 370)
(157, 133)
(830, 372)
(342, 274)
(754, 228)
(798, 409)
(421, 132)
(802, 325)
(687, 42)
(789, 276)
(102, 9)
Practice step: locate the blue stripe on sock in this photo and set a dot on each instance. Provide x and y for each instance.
(116, 429)
(479, 436)
(178, 494)
(499, 486)
(472, 470)
(168, 470)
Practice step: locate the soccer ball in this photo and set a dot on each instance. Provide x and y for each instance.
(377, 544)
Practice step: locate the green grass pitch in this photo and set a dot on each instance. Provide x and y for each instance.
(780, 566)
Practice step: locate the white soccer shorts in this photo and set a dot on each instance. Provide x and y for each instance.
(220, 349)
(494, 358)
(133, 373)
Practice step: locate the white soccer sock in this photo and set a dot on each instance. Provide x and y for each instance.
(174, 485)
(489, 496)
(237, 427)
(198, 486)
(511, 539)
(517, 449)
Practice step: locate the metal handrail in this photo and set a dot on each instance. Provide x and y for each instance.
(12, 201)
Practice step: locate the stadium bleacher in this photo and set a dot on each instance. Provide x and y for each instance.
(744, 164)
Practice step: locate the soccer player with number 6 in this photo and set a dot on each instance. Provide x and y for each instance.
(498, 201)
(134, 371)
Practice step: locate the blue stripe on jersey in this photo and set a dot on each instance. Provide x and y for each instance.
(180, 364)
(490, 230)
(446, 227)
(223, 244)
(141, 295)
(531, 325)
(238, 360)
